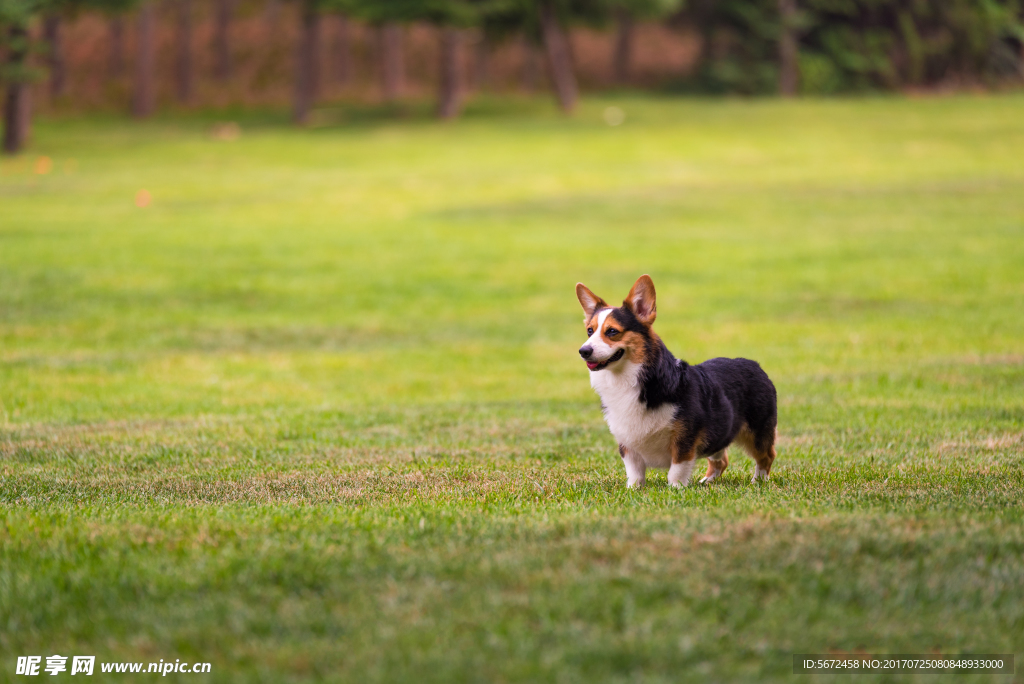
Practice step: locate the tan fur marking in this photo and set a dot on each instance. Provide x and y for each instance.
(745, 438)
(678, 430)
(764, 459)
(717, 467)
(636, 346)
(633, 342)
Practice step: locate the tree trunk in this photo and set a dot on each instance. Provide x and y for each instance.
(307, 64)
(915, 48)
(556, 46)
(530, 70)
(623, 46)
(55, 56)
(144, 94)
(184, 48)
(449, 96)
(701, 12)
(17, 102)
(481, 63)
(272, 15)
(343, 50)
(789, 74)
(221, 42)
(392, 66)
(116, 64)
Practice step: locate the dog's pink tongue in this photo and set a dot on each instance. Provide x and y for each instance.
(592, 366)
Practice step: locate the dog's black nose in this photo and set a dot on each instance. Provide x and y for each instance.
(585, 352)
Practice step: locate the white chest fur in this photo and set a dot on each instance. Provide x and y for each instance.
(646, 433)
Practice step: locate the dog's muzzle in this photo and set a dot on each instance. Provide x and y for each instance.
(588, 351)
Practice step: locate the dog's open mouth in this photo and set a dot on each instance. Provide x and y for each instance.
(604, 364)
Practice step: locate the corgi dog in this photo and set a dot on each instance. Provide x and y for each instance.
(664, 412)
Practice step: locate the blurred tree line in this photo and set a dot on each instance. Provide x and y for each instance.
(747, 46)
(831, 46)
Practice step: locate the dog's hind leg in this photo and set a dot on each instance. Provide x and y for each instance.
(763, 461)
(761, 448)
(717, 463)
(764, 447)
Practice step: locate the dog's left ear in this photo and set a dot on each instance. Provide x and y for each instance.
(641, 300)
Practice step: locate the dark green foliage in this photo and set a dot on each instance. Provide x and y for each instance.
(857, 45)
(12, 11)
(21, 13)
(888, 43)
(17, 13)
(505, 18)
(739, 52)
(647, 9)
(444, 12)
(16, 45)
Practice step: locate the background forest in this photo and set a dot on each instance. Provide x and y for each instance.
(83, 54)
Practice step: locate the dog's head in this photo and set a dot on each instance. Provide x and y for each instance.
(617, 333)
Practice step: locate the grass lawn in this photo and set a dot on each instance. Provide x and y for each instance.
(316, 412)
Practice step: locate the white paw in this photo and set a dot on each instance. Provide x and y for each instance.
(679, 473)
(635, 484)
(708, 479)
(759, 475)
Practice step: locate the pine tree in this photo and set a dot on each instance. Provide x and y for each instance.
(17, 74)
(626, 13)
(546, 23)
(387, 18)
(451, 18)
(307, 61)
(183, 50)
(144, 85)
(222, 12)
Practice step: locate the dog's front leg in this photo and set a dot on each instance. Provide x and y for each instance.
(636, 469)
(683, 458)
(679, 473)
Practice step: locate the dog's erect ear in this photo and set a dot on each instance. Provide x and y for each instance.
(641, 300)
(590, 301)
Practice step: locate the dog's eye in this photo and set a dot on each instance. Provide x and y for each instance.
(590, 331)
(611, 332)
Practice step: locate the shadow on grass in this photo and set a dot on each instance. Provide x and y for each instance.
(329, 115)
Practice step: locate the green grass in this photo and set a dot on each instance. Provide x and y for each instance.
(316, 412)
